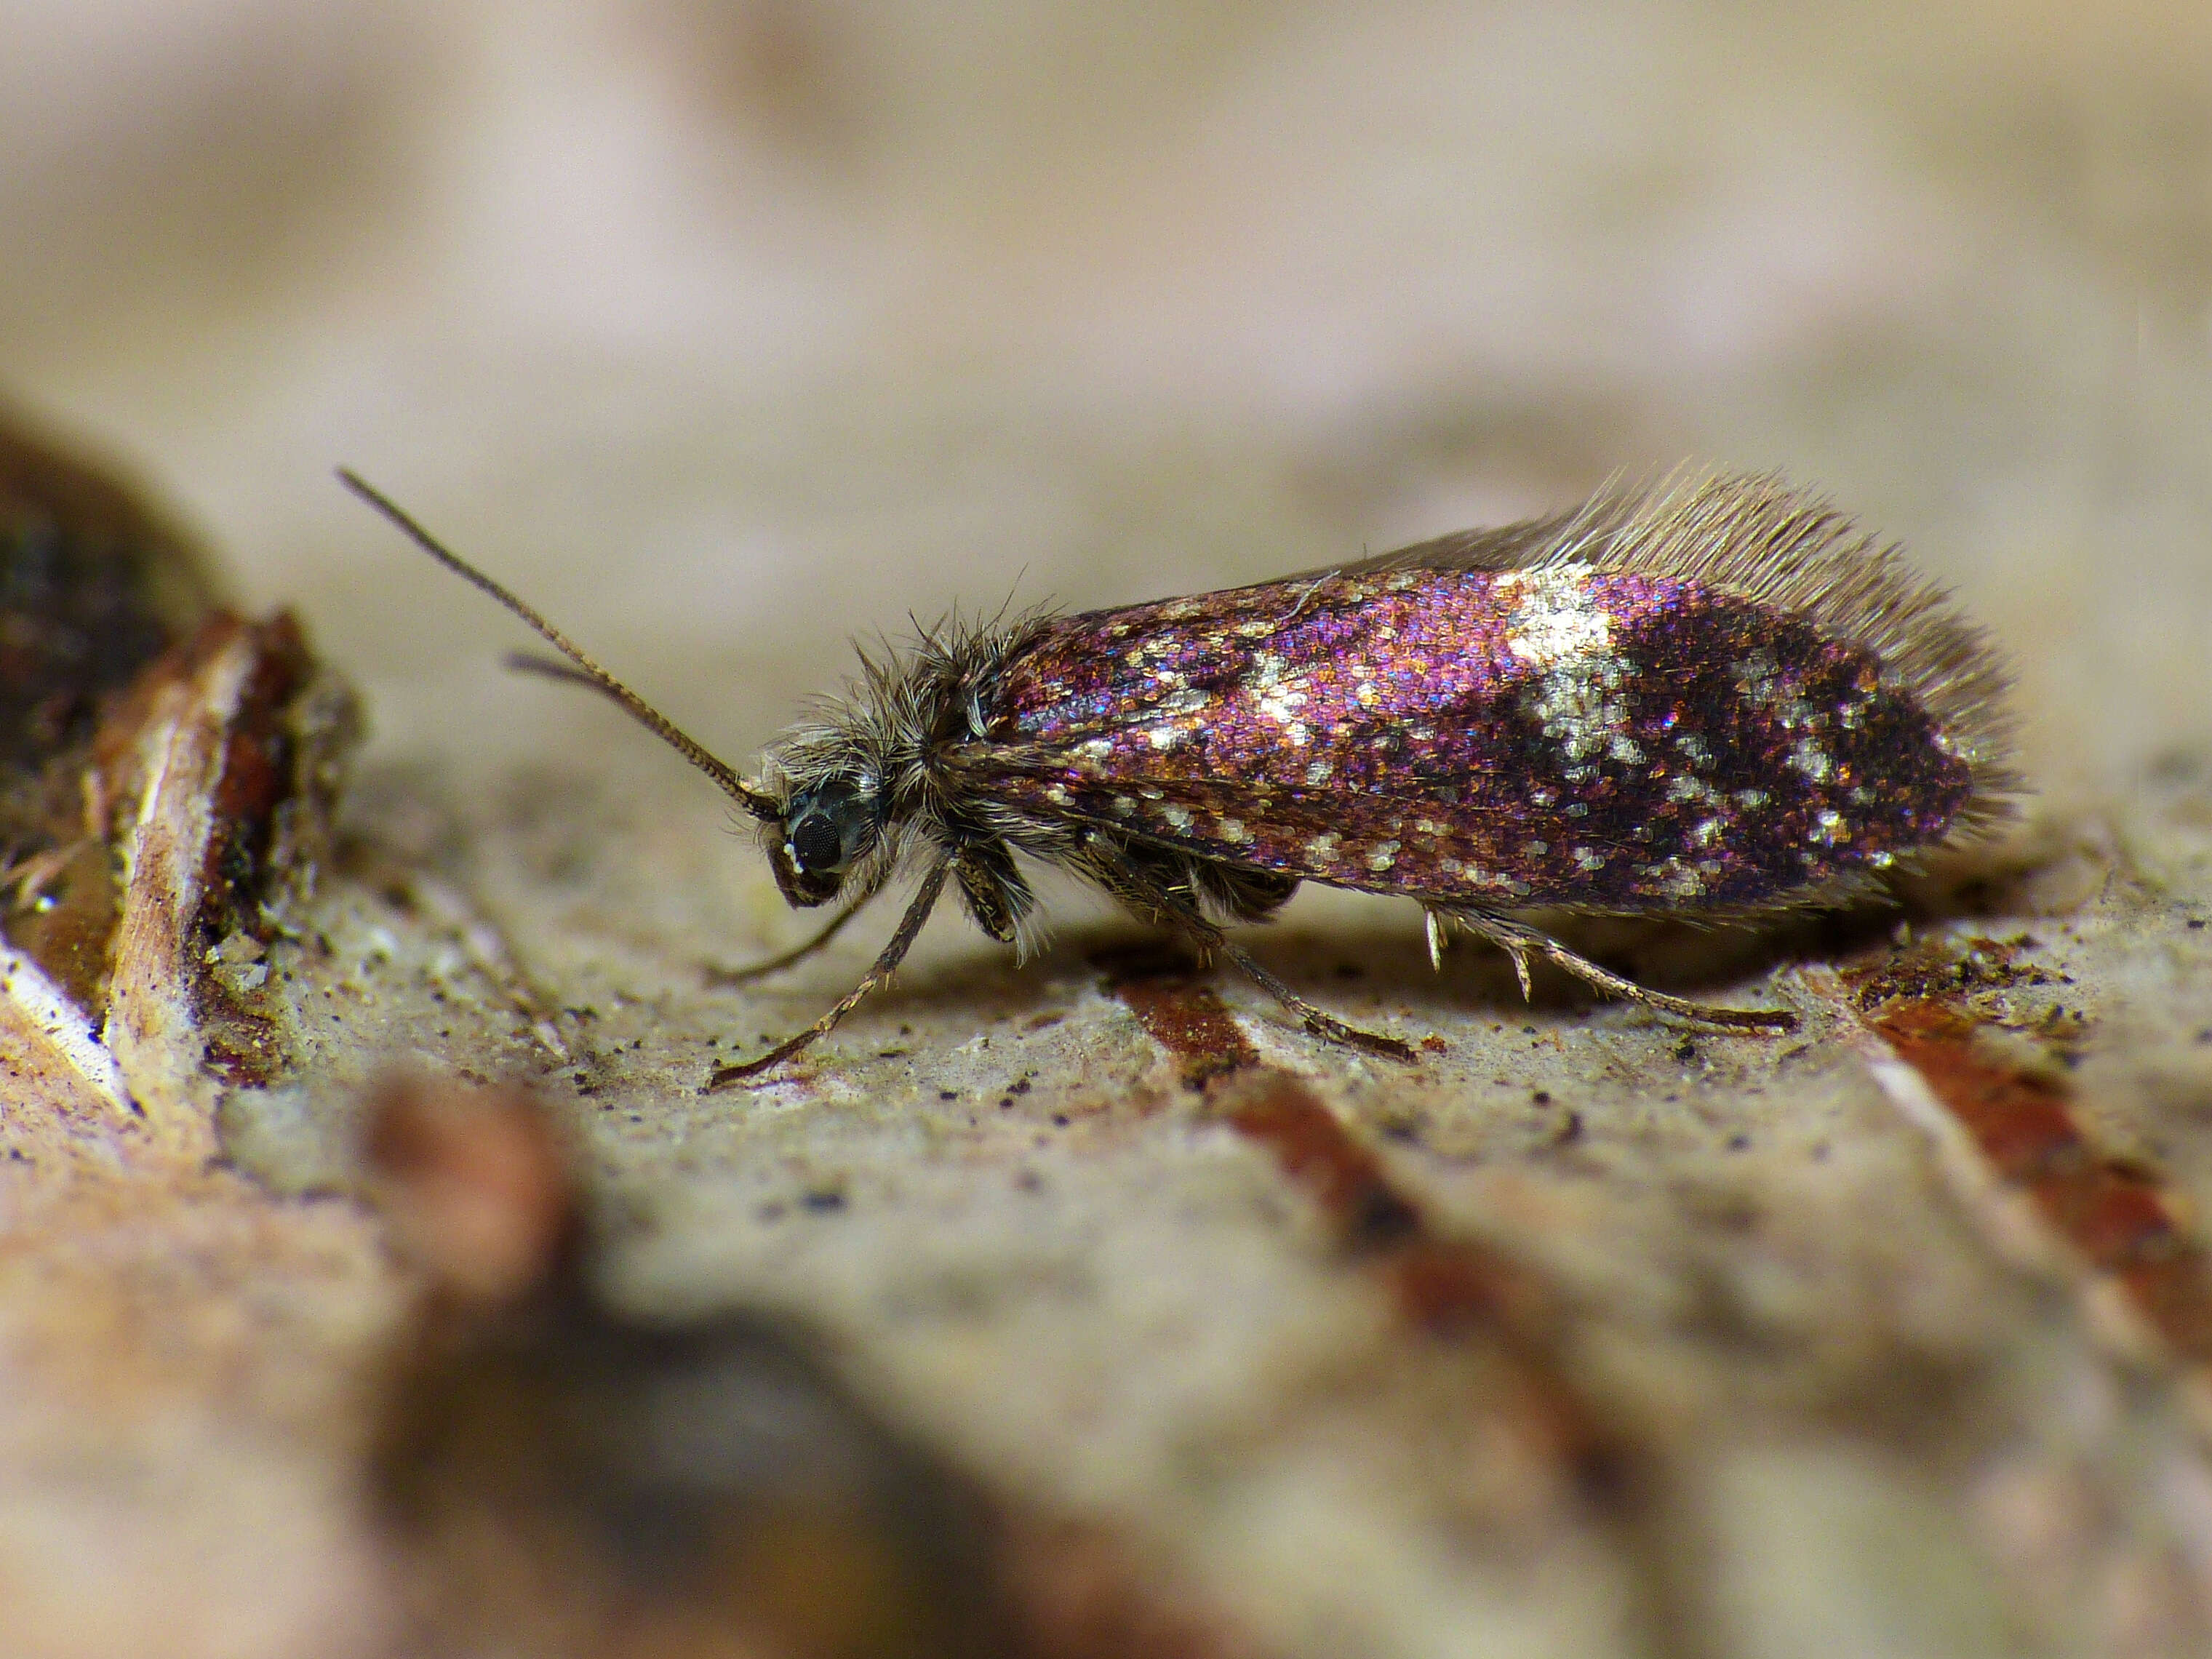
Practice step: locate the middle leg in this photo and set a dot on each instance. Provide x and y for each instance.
(1140, 888)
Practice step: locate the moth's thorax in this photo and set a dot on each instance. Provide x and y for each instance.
(872, 762)
(878, 741)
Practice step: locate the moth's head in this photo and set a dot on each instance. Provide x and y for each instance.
(828, 825)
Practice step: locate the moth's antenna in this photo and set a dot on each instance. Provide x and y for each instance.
(588, 672)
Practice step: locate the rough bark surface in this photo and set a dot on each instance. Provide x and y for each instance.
(1083, 1306)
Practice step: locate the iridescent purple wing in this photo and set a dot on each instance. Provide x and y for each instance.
(1583, 726)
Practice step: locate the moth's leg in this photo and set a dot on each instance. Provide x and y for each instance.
(1521, 942)
(1136, 887)
(1236, 890)
(917, 913)
(1143, 889)
(1319, 1023)
(1242, 893)
(798, 953)
(1161, 888)
(997, 896)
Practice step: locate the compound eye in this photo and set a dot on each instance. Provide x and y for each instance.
(817, 844)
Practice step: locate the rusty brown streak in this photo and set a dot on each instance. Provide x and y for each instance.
(2123, 1219)
(1441, 1286)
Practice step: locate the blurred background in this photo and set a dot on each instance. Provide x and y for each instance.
(725, 329)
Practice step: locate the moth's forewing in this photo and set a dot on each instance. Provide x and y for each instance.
(1562, 734)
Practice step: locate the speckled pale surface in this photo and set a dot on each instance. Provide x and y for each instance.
(726, 334)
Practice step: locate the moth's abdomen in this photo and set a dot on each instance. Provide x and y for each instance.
(1568, 734)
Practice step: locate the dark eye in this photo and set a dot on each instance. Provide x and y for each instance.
(816, 843)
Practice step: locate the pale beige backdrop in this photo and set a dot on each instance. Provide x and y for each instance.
(729, 331)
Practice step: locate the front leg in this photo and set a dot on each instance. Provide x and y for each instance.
(909, 929)
(799, 953)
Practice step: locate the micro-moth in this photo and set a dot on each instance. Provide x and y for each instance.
(1717, 699)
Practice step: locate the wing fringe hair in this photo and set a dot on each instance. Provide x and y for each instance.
(1789, 550)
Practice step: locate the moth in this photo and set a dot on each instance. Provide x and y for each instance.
(1716, 698)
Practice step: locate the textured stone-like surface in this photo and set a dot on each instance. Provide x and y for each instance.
(1587, 1335)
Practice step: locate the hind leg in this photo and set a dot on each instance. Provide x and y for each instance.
(1521, 942)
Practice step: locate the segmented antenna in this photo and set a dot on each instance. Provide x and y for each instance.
(588, 672)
